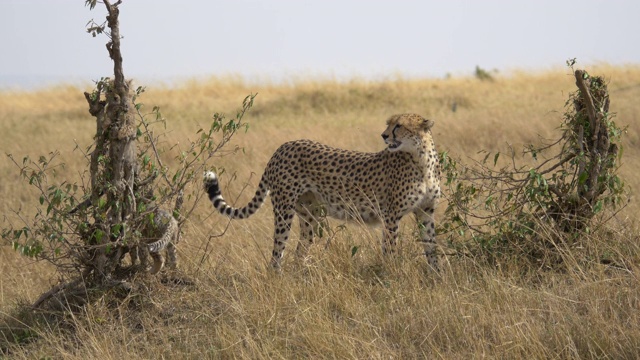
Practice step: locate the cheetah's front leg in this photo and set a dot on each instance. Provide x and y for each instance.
(308, 213)
(390, 234)
(426, 226)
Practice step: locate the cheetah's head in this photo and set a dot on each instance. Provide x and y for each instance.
(405, 132)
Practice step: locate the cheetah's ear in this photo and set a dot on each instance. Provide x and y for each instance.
(427, 124)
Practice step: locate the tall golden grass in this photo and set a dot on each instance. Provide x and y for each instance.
(335, 305)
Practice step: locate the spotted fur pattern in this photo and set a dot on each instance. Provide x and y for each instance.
(312, 180)
(159, 233)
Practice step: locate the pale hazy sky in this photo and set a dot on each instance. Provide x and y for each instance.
(44, 41)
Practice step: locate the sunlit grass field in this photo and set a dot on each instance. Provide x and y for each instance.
(336, 305)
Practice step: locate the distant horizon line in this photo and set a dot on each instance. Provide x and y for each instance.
(11, 82)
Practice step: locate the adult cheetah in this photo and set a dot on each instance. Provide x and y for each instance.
(314, 180)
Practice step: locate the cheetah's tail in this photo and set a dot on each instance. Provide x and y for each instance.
(169, 235)
(212, 186)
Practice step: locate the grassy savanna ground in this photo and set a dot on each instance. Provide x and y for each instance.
(335, 305)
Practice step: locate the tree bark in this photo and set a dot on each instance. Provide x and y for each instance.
(115, 142)
(596, 106)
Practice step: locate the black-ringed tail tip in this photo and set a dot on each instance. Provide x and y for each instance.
(210, 181)
(209, 177)
(212, 188)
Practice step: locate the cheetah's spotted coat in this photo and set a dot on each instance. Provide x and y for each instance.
(310, 179)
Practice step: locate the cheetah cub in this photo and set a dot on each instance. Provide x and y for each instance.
(313, 180)
(161, 232)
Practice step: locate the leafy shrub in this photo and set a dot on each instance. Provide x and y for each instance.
(502, 207)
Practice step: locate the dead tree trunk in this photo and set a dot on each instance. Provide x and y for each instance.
(595, 103)
(113, 162)
(594, 153)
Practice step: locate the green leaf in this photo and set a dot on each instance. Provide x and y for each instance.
(98, 235)
(90, 3)
(354, 250)
(145, 160)
(115, 229)
(598, 207)
(582, 179)
(488, 202)
(484, 161)
(177, 175)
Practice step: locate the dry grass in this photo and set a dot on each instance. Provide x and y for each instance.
(334, 305)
